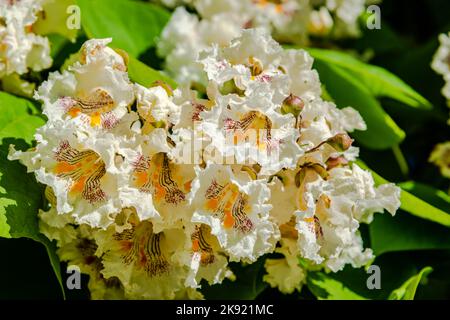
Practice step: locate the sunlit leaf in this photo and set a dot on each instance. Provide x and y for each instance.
(408, 290)
(20, 194)
(134, 26)
(379, 81)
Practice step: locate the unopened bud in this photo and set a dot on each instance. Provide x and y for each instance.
(292, 104)
(340, 142)
(336, 162)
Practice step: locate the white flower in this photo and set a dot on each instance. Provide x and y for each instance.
(285, 273)
(320, 22)
(144, 261)
(441, 62)
(334, 207)
(219, 21)
(154, 105)
(20, 49)
(95, 92)
(252, 132)
(236, 211)
(204, 257)
(158, 189)
(347, 13)
(185, 36)
(82, 170)
(441, 158)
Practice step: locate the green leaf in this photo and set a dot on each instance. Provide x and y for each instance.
(396, 268)
(438, 198)
(405, 232)
(414, 205)
(53, 19)
(379, 81)
(408, 290)
(346, 90)
(134, 26)
(20, 194)
(144, 75)
(57, 44)
(323, 286)
(247, 286)
(16, 120)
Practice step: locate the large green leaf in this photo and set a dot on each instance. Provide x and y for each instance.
(408, 290)
(415, 205)
(146, 76)
(395, 268)
(134, 26)
(379, 81)
(20, 194)
(323, 286)
(16, 120)
(346, 90)
(438, 198)
(405, 232)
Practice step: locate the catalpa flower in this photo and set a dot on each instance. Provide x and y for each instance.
(156, 108)
(252, 132)
(80, 170)
(257, 65)
(157, 184)
(185, 36)
(204, 256)
(220, 21)
(21, 49)
(285, 272)
(95, 91)
(331, 208)
(441, 62)
(80, 253)
(441, 158)
(145, 262)
(236, 210)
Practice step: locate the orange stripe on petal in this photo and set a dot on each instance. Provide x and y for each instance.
(78, 186)
(212, 204)
(74, 112)
(228, 222)
(195, 245)
(141, 178)
(63, 167)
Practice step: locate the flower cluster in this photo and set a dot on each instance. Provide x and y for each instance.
(441, 64)
(153, 191)
(21, 49)
(219, 21)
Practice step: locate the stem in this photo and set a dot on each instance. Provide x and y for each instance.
(401, 161)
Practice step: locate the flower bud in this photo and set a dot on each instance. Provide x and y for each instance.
(336, 162)
(292, 104)
(340, 142)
